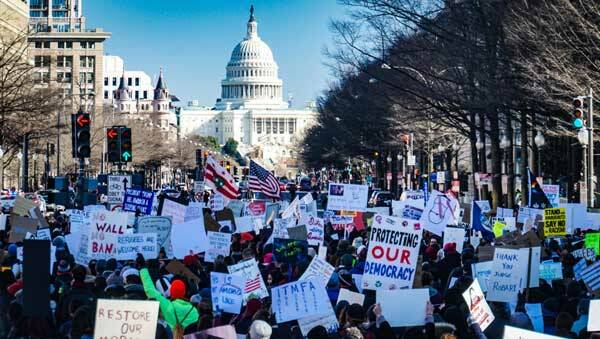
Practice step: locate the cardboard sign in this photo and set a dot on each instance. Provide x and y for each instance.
(188, 236)
(350, 297)
(482, 271)
(20, 226)
(393, 253)
(594, 314)
(290, 250)
(173, 209)
(218, 244)
(106, 226)
(441, 210)
(478, 306)
(137, 199)
(162, 227)
(255, 286)
(226, 292)
(299, 299)
(177, 268)
(508, 274)
(319, 269)
(327, 320)
(394, 303)
(555, 222)
(125, 319)
(455, 235)
(37, 214)
(116, 188)
(22, 206)
(129, 245)
(347, 197)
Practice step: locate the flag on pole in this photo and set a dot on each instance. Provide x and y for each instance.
(481, 222)
(259, 179)
(537, 197)
(217, 178)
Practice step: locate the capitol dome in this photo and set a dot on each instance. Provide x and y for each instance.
(251, 78)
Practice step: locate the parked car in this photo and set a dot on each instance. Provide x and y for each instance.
(7, 203)
(381, 199)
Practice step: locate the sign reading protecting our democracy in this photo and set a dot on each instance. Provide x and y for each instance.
(479, 308)
(138, 199)
(254, 285)
(393, 253)
(116, 188)
(218, 244)
(162, 227)
(125, 319)
(319, 269)
(299, 299)
(555, 222)
(347, 197)
(129, 245)
(227, 292)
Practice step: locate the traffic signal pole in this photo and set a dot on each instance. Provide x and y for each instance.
(590, 128)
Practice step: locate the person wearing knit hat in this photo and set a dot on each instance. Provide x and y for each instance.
(243, 321)
(260, 330)
(177, 312)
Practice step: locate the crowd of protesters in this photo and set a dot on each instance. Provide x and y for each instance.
(185, 306)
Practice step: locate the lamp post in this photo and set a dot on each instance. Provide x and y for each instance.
(388, 167)
(35, 179)
(1, 169)
(456, 148)
(479, 146)
(539, 142)
(20, 157)
(582, 137)
(504, 144)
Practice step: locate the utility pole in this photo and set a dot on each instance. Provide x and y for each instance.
(591, 188)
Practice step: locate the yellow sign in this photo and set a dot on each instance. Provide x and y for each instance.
(498, 228)
(555, 222)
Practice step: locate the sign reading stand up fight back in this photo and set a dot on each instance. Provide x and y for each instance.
(393, 253)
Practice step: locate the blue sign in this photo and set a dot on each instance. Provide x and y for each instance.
(426, 191)
(137, 199)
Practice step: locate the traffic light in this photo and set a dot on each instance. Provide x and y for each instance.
(221, 163)
(198, 157)
(577, 120)
(228, 167)
(235, 170)
(81, 135)
(113, 143)
(126, 145)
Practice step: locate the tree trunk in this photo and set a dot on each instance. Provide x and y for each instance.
(510, 166)
(524, 160)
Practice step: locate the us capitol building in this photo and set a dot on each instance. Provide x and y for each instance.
(251, 109)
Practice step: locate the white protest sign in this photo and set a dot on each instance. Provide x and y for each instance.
(216, 202)
(479, 308)
(585, 253)
(299, 299)
(188, 236)
(482, 271)
(194, 210)
(3, 218)
(416, 198)
(552, 193)
(315, 231)
(534, 311)
(529, 213)
(593, 316)
(576, 215)
(226, 292)
(507, 274)
(518, 333)
(116, 188)
(129, 245)
(350, 297)
(43, 234)
(319, 269)
(106, 226)
(441, 210)
(218, 244)
(323, 252)
(244, 224)
(328, 320)
(393, 253)
(280, 227)
(162, 227)
(347, 197)
(455, 235)
(198, 186)
(407, 209)
(125, 319)
(504, 212)
(394, 306)
(255, 286)
(175, 210)
(551, 271)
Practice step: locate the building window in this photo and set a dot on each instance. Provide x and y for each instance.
(87, 44)
(217, 129)
(42, 77)
(259, 125)
(42, 44)
(268, 126)
(105, 81)
(87, 61)
(64, 61)
(145, 94)
(105, 95)
(137, 94)
(114, 82)
(42, 61)
(64, 77)
(87, 77)
(281, 125)
(128, 81)
(137, 81)
(292, 126)
(65, 44)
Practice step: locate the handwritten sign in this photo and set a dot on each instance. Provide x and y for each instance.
(592, 240)
(125, 319)
(226, 292)
(173, 209)
(216, 202)
(162, 227)
(254, 286)
(189, 236)
(441, 210)
(299, 299)
(290, 250)
(551, 271)
(347, 197)
(116, 188)
(194, 210)
(218, 244)
(350, 297)
(586, 253)
(327, 320)
(455, 235)
(129, 245)
(482, 271)
(106, 226)
(479, 308)
(507, 274)
(393, 253)
(315, 231)
(319, 269)
(137, 199)
(555, 222)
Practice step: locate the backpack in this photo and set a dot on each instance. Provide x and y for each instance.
(178, 331)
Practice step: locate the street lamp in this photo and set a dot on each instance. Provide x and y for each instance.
(20, 157)
(539, 142)
(478, 144)
(456, 148)
(35, 180)
(1, 169)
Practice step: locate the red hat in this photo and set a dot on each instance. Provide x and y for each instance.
(450, 247)
(190, 260)
(177, 290)
(246, 236)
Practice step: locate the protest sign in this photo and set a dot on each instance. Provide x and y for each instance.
(290, 250)
(528, 213)
(256, 208)
(198, 186)
(244, 224)
(327, 320)
(347, 197)
(578, 269)
(482, 271)
(137, 199)
(177, 268)
(116, 188)
(498, 228)
(129, 245)
(315, 231)
(415, 198)
(125, 318)
(43, 234)
(455, 235)
(37, 214)
(271, 213)
(3, 218)
(20, 226)
(534, 311)
(518, 333)
(297, 232)
(174, 209)
(319, 269)
(219, 332)
(216, 202)
(552, 193)
(236, 207)
(323, 252)
(339, 222)
(194, 210)
(159, 225)
(22, 206)
(280, 227)
(504, 212)
(254, 285)
(106, 226)
(478, 306)
(393, 253)
(592, 240)
(299, 299)
(36, 295)
(441, 210)
(507, 274)
(218, 244)
(350, 297)
(188, 236)
(226, 292)
(586, 253)
(594, 314)
(576, 216)
(555, 222)
(407, 209)
(591, 276)
(395, 302)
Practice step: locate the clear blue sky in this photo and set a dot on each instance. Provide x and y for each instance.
(193, 40)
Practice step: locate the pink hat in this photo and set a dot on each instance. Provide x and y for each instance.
(268, 258)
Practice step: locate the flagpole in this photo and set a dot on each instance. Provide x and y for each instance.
(529, 187)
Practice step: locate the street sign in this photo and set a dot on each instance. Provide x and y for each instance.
(116, 188)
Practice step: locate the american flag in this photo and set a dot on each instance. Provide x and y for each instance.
(252, 284)
(262, 180)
